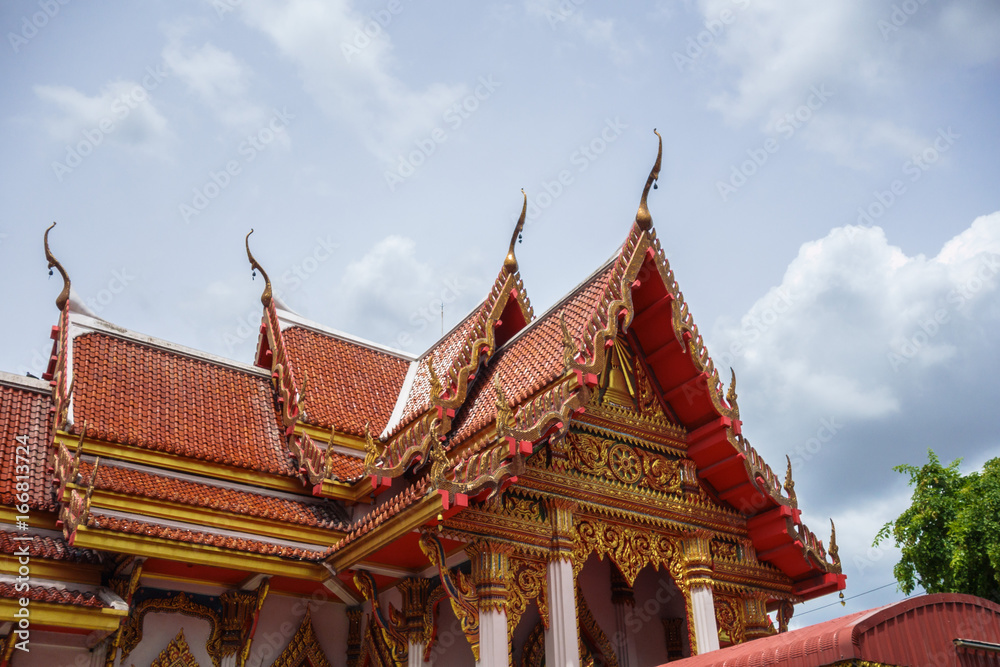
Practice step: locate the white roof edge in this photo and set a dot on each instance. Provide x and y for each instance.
(404, 393)
(25, 382)
(86, 323)
(288, 319)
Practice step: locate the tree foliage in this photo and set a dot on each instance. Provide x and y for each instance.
(949, 536)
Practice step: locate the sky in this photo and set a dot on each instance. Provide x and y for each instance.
(828, 197)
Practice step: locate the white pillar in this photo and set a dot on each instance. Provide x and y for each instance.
(493, 649)
(562, 648)
(99, 654)
(415, 654)
(706, 632)
(228, 661)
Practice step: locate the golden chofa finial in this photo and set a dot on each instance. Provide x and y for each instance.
(53, 262)
(642, 217)
(510, 263)
(265, 297)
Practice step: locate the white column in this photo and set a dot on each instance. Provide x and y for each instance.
(706, 632)
(415, 654)
(493, 647)
(562, 647)
(228, 660)
(624, 647)
(99, 654)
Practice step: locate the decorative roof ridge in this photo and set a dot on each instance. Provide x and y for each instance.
(25, 383)
(84, 324)
(562, 301)
(475, 310)
(288, 320)
(207, 481)
(416, 430)
(199, 528)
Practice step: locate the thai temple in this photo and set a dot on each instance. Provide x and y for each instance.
(566, 489)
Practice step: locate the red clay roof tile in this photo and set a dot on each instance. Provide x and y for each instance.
(25, 412)
(136, 527)
(136, 394)
(348, 384)
(43, 546)
(51, 594)
(158, 487)
(530, 361)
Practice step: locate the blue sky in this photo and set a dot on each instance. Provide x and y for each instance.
(828, 197)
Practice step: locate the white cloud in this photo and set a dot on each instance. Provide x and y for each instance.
(898, 350)
(392, 296)
(864, 358)
(770, 53)
(346, 63)
(600, 33)
(122, 113)
(218, 78)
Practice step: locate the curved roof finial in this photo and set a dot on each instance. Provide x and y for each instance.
(53, 262)
(642, 217)
(265, 297)
(510, 263)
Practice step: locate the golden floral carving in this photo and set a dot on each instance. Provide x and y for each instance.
(180, 603)
(527, 582)
(631, 549)
(730, 618)
(176, 654)
(617, 461)
(304, 647)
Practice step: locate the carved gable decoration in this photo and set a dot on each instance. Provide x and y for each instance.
(304, 649)
(176, 654)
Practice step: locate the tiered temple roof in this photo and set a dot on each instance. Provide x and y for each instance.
(330, 454)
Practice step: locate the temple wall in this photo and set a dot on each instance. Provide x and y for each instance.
(451, 648)
(280, 619)
(53, 650)
(159, 628)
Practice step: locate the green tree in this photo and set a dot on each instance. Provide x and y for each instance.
(949, 536)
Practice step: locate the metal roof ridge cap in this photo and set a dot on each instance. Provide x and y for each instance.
(401, 400)
(84, 324)
(475, 309)
(287, 320)
(24, 382)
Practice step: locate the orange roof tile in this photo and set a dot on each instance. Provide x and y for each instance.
(136, 394)
(25, 414)
(348, 384)
(445, 352)
(531, 360)
(185, 492)
(51, 594)
(43, 546)
(150, 529)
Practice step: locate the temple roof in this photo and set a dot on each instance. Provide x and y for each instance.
(532, 359)
(917, 631)
(24, 413)
(363, 388)
(133, 393)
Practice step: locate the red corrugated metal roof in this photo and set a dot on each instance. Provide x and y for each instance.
(917, 631)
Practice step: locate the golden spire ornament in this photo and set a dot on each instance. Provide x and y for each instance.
(642, 217)
(510, 262)
(265, 297)
(53, 262)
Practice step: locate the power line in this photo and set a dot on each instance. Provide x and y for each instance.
(846, 599)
